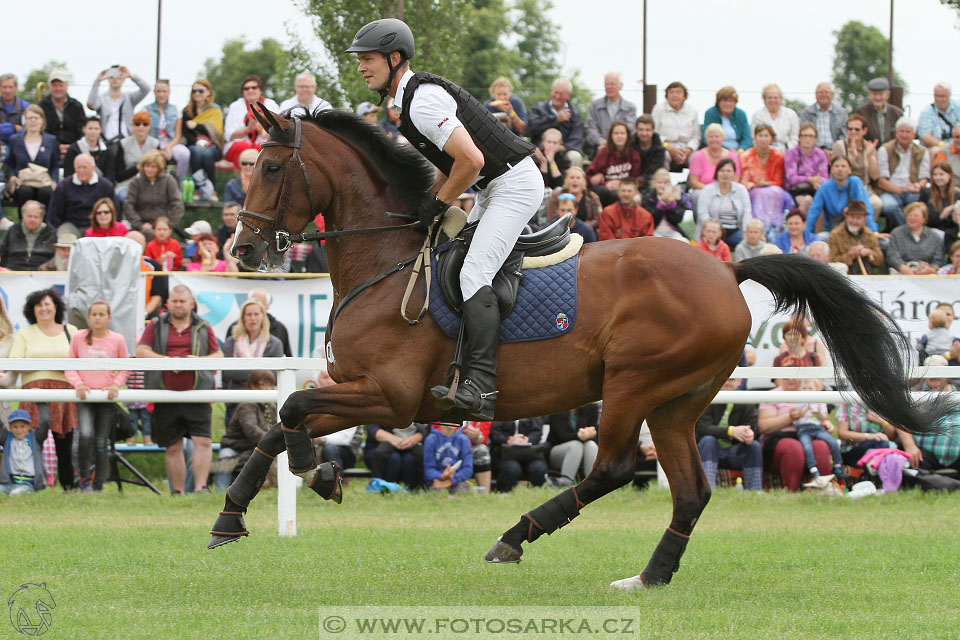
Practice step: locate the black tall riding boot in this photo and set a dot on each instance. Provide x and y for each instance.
(476, 393)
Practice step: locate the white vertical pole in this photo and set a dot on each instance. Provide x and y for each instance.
(286, 481)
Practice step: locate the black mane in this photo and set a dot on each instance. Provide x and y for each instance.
(407, 172)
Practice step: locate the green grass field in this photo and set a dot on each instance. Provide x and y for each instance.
(759, 566)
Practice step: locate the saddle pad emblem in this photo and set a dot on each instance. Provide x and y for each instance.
(562, 321)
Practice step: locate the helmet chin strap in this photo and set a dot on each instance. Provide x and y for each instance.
(393, 71)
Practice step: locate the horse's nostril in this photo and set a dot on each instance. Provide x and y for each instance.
(242, 250)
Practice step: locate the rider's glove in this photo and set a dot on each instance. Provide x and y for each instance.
(430, 207)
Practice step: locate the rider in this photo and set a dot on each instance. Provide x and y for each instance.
(469, 147)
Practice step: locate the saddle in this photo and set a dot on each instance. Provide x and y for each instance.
(450, 254)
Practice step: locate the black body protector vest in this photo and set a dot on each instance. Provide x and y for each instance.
(501, 148)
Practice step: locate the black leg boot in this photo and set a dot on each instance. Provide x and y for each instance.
(477, 391)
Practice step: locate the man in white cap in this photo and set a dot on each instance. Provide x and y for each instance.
(306, 101)
(881, 115)
(61, 253)
(65, 115)
(368, 111)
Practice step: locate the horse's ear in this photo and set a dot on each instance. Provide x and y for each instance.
(267, 119)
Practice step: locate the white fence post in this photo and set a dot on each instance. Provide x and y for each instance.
(286, 481)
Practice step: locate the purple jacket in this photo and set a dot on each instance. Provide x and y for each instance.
(799, 168)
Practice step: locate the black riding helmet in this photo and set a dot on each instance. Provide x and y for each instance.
(385, 36)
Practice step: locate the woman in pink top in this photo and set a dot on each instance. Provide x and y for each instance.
(96, 418)
(103, 221)
(703, 163)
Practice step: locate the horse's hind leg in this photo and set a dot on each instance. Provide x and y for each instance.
(229, 526)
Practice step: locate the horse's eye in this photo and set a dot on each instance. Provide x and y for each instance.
(272, 168)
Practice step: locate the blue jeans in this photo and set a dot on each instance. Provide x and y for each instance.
(732, 237)
(339, 453)
(141, 421)
(222, 480)
(737, 456)
(12, 488)
(807, 433)
(205, 159)
(893, 204)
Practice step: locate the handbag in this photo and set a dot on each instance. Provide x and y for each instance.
(523, 453)
(123, 428)
(33, 175)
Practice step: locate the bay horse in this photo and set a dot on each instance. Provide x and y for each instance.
(660, 326)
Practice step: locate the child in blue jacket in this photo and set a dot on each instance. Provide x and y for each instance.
(21, 464)
(448, 459)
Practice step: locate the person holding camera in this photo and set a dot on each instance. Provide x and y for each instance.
(114, 106)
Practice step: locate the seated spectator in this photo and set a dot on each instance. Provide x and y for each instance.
(726, 437)
(28, 244)
(557, 113)
(396, 455)
(588, 204)
(646, 457)
(153, 194)
(573, 448)
(938, 340)
(937, 450)
(131, 150)
(834, 195)
(796, 346)
(226, 230)
(710, 234)
(198, 227)
(820, 251)
(478, 433)
(937, 120)
(951, 355)
(205, 258)
(163, 248)
(827, 116)
(805, 167)
(241, 129)
(103, 221)
(305, 100)
(91, 143)
(12, 108)
(667, 204)
(248, 424)
(726, 200)
(752, 243)
(625, 218)
(552, 158)
(678, 125)
(915, 249)
(566, 203)
(950, 153)
(881, 116)
(368, 111)
(862, 157)
(163, 127)
(75, 196)
(653, 155)
(65, 115)
(853, 243)
(732, 120)
(391, 122)
(61, 253)
(515, 454)
(31, 146)
(616, 159)
(507, 107)
(703, 163)
(953, 267)
(814, 424)
(783, 121)
(762, 176)
(236, 189)
(447, 459)
(860, 430)
(603, 112)
(200, 129)
(21, 461)
(114, 106)
(904, 169)
(941, 195)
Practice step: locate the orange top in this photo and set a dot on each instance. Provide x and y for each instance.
(754, 171)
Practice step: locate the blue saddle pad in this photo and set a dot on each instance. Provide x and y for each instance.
(546, 305)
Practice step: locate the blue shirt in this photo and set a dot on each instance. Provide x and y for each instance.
(832, 200)
(931, 122)
(440, 451)
(162, 123)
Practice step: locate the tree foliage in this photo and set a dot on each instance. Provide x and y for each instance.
(28, 90)
(269, 61)
(860, 54)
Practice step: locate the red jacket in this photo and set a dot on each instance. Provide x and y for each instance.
(617, 222)
(117, 230)
(722, 252)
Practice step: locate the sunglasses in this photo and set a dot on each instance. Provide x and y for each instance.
(250, 87)
(141, 124)
(104, 211)
(566, 196)
(199, 90)
(248, 164)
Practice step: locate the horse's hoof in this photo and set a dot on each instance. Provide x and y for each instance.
(629, 584)
(217, 540)
(503, 553)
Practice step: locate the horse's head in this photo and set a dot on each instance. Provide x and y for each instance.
(279, 202)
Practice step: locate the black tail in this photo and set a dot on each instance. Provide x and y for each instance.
(866, 345)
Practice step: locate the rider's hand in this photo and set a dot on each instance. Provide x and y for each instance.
(430, 207)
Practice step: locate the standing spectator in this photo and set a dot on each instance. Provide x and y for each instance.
(163, 127)
(163, 248)
(834, 195)
(179, 333)
(678, 125)
(573, 448)
(915, 249)
(248, 424)
(667, 204)
(91, 143)
(12, 108)
(305, 100)
(853, 243)
(762, 176)
(704, 162)
(861, 155)
(241, 129)
(130, 151)
(588, 204)
(784, 121)
(904, 169)
(727, 439)
(21, 463)
(447, 459)
(249, 338)
(710, 240)
(805, 167)
(552, 158)
(727, 201)
(796, 349)
(507, 107)
(653, 155)
(795, 236)
(396, 455)
(733, 120)
(753, 241)
(103, 221)
(96, 419)
(827, 116)
(515, 455)
(951, 152)
(236, 189)
(229, 227)
(557, 113)
(153, 194)
(200, 129)
(391, 123)
(368, 111)
(603, 112)
(937, 120)
(115, 107)
(941, 195)
(881, 116)
(47, 336)
(65, 115)
(28, 244)
(625, 218)
(616, 159)
(75, 196)
(31, 146)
